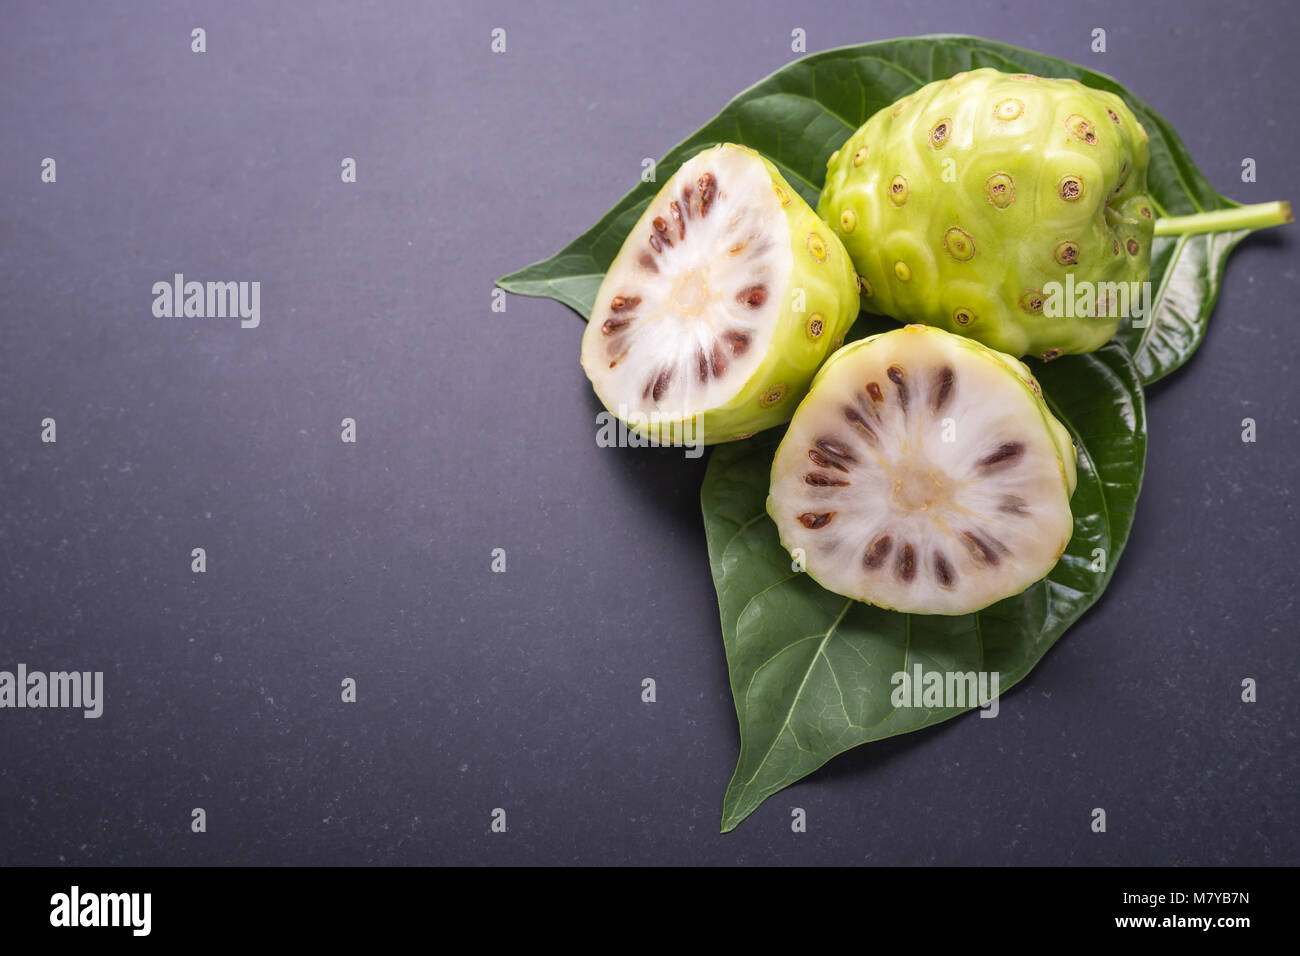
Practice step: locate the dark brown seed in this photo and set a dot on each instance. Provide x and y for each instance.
(817, 479)
(647, 262)
(906, 566)
(752, 296)
(943, 570)
(854, 417)
(687, 193)
(877, 551)
(717, 364)
(655, 244)
(708, 190)
(1004, 454)
(813, 521)
(661, 227)
(675, 210)
(829, 447)
(621, 302)
(1012, 505)
(979, 549)
(874, 391)
(896, 376)
(820, 460)
(702, 362)
(612, 325)
(739, 342)
(658, 385)
(942, 388)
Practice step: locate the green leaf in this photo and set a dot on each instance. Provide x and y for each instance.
(810, 670)
(1186, 272)
(800, 114)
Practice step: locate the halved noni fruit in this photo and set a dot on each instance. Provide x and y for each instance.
(723, 302)
(924, 473)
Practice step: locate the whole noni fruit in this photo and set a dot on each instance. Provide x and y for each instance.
(1005, 207)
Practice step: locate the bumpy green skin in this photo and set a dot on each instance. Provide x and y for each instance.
(823, 270)
(958, 207)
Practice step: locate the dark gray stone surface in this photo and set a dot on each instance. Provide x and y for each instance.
(371, 561)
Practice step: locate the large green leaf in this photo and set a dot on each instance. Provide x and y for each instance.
(810, 670)
(800, 114)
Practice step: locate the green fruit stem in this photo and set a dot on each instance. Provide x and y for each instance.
(1258, 216)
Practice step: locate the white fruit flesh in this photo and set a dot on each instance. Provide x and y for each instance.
(683, 321)
(921, 474)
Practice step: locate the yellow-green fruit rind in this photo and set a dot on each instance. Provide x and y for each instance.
(1028, 181)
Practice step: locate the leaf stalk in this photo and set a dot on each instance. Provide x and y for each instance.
(1258, 216)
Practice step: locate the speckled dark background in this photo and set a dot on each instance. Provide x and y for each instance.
(522, 690)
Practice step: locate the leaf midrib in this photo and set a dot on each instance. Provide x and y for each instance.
(798, 695)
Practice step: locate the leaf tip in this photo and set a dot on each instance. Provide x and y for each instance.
(733, 813)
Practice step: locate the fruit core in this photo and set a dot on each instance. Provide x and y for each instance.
(919, 485)
(691, 295)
